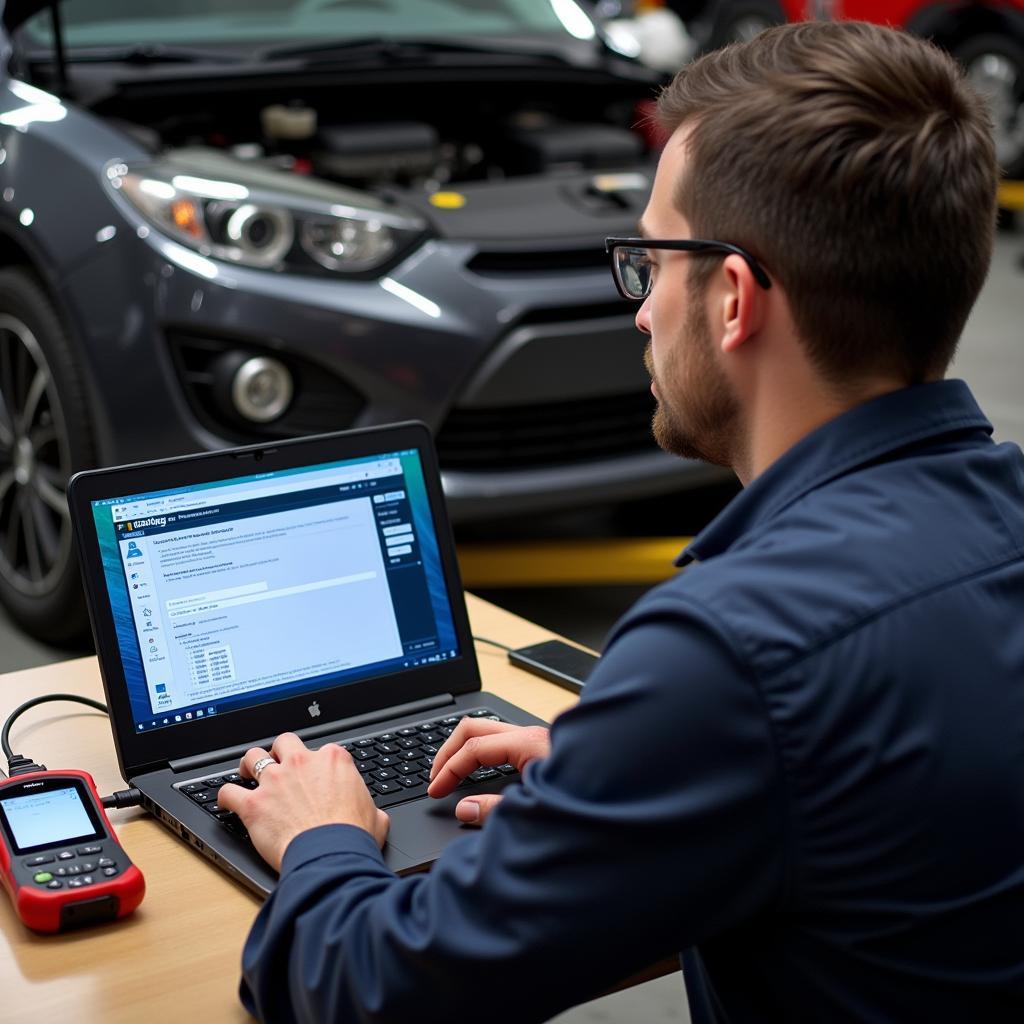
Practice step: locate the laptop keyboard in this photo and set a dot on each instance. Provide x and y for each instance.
(395, 765)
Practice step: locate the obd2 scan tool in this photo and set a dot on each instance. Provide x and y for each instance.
(60, 860)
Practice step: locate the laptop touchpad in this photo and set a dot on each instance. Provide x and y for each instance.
(422, 829)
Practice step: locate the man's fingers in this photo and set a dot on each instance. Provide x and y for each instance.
(466, 730)
(286, 745)
(232, 797)
(249, 760)
(474, 809)
(380, 832)
(476, 752)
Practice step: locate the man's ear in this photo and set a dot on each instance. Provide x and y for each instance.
(743, 304)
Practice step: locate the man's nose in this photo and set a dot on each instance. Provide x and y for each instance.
(643, 317)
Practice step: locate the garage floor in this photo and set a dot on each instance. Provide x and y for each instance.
(991, 359)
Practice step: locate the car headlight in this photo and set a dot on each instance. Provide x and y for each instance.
(259, 216)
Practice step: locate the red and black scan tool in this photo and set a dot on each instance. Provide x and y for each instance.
(59, 858)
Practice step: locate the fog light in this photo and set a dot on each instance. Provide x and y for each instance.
(261, 389)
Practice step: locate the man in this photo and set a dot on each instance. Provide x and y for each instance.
(801, 761)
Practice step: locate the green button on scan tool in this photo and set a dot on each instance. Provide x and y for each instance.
(42, 877)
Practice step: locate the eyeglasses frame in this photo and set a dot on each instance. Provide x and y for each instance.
(681, 245)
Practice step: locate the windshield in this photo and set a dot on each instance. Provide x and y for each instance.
(115, 23)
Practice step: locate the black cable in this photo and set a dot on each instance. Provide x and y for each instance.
(494, 643)
(22, 708)
(123, 798)
(18, 765)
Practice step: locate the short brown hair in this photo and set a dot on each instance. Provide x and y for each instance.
(857, 163)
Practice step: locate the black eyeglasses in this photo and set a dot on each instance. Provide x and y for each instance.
(631, 265)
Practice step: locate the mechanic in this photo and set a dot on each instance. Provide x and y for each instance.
(801, 761)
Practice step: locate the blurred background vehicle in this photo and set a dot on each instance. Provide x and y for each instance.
(226, 221)
(987, 38)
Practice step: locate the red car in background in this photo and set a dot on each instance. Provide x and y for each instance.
(987, 38)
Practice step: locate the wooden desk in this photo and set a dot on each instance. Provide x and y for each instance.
(177, 958)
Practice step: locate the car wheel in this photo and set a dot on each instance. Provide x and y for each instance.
(740, 22)
(44, 436)
(995, 67)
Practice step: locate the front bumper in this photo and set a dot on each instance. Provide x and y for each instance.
(434, 340)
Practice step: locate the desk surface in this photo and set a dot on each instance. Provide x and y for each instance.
(177, 957)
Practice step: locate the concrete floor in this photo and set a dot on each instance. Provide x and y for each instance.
(991, 359)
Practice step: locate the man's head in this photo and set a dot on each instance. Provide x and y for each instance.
(854, 163)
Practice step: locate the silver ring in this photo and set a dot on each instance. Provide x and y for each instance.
(257, 768)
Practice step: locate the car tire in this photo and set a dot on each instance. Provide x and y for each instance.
(740, 21)
(45, 435)
(995, 66)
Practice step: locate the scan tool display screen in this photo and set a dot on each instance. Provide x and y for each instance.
(242, 591)
(47, 817)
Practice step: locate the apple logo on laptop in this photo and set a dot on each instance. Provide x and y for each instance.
(314, 709)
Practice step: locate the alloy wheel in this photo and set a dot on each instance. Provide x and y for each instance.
(998, 78)
(35, 524)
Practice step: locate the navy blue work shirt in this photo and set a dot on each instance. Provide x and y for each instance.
(800, 762)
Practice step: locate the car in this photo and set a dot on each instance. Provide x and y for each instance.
(225, 222)
(987, 38)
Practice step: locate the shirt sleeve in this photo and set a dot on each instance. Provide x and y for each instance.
(656, 822)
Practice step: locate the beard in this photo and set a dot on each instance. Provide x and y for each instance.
(698, 414)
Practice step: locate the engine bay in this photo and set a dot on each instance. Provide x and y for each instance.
(406, 153)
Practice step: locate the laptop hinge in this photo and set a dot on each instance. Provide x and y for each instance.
(415, 707)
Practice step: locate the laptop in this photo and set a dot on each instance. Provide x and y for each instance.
(307, 586)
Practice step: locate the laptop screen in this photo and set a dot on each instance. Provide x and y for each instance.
(237, 592)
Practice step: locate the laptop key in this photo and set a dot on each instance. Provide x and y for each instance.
(411, 781)
(408, 731)
(364, 755)
(399, 795)
(363, 743)
(408, 742)
(484, 773)
(407, 768)
(383, 774)
(507, 769)
(193, 787)
(386, 760)
(385, 787)
(203, 797)
(411, 755)
(387, 748)
(215, 783)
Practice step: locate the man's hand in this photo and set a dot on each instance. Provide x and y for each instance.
(303, 789)
(479, 742)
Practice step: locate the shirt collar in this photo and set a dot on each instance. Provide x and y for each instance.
(861, 435)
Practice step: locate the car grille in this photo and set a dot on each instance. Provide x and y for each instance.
(532, 261)
(524, 436)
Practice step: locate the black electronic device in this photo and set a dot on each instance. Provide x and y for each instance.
(60, 860)
(556, 661)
